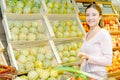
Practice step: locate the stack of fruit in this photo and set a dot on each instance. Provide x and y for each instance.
(85, 25)
(115, 62)
(29, 58)
(111, 25)
(116, 40)
(27, 30)
(59, 7)
(68, 51)
(66, 28)
(42, 74)
(23, 6)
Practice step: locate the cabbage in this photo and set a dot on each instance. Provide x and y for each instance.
(31, 37)
(9, 9)
(35, 10)
(38, 64)
(24, 30)
(18, 24)
(42, 50)
(22, 58)
(31, 58)
(40, 57)
(47, 63)
(24, 51)
(32, 75)
(20, 4)
(26, 10)
(53, 73)
(41, 29)
(72, 59)
(22, 36)
(11, 24)
(49, 56)
(27, 24)
(14, 37)
(40, 36)
(17, 10)
(44, 74)
(33, 51)
(35, 24)
(32, 30)
(21, 67)
(29, 65)
(15, 30)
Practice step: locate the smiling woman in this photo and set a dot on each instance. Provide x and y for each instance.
(97, 46)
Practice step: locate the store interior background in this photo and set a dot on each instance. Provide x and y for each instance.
(116, 4)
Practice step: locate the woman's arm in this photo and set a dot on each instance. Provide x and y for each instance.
(106, 51)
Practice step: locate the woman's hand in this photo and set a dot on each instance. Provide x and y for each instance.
(83, 56)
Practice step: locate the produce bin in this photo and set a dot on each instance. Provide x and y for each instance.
(21, 7)
(19, 31)
(58, 7)
(67, 51)
(27, 57)
(65, 26)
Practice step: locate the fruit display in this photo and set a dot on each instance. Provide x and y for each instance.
(111, 25)
(28, 58)
(115, 62)
(23, 6)
(58, 7)
(68, 27)
(41, 74)
(116, 40)
(68, 50)
(27, 30)
(85, 26)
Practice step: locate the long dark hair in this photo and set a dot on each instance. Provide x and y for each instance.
(98, 8)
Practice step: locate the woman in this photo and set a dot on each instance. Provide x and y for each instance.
(97, 46)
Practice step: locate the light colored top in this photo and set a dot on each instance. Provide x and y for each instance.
(99, 50)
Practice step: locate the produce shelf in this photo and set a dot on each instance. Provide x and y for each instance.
(27, 57)
(114, 74)
(19, 7)
(67, 51)
(25, 30)
(67, 7)
(65, 26)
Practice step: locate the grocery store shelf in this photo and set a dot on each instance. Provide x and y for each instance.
(116, 48)
(115, 32)
(114, 74)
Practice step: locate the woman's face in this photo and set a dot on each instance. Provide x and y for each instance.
(92, 17)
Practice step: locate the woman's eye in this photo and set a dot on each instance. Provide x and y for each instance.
(94, 14)
(87, 15)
